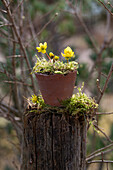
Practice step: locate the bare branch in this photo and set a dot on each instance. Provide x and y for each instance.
(3, 11)
(99, 113)
(20, 41)
(13, 110)
(105, 7)
(98, 86)
(3, 25)
(102, 133)
(22, 83)
(106, 83)
(100, 150)
(15, 56)
(41, 29)
(100, 161)
(99, 154)
(19, 4)
(83, 24)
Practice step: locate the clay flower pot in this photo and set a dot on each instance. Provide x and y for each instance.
(57, 87)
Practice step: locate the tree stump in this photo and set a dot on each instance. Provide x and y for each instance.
(54, 141)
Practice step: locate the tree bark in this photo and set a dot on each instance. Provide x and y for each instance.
(54, 141)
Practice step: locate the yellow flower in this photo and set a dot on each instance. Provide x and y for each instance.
(34, 98)
(56, 57)
(51, 55)
(68, 53)
(42, 47)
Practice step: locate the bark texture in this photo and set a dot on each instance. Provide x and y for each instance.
(54, 141)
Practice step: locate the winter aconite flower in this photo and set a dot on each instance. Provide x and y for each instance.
(51, 55)
(68, 53)
(56, 57)
(42, 47)
(34, 98)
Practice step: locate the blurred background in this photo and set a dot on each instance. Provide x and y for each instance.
(87, 28)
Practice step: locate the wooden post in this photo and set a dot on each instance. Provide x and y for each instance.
(54, 141)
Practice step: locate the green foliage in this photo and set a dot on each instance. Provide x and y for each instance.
(51, 67)
(80, 103)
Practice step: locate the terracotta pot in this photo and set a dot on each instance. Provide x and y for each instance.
(57, 87)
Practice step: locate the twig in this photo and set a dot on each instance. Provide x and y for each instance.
(9, 38)
(12, 109)
(3, 11)
(14, 74)
(99, 154)
(100, 161)
(99, 150)
(99, 113)
(102, 133)
(110, 4)
(42, 29)
(20, 41)
(105, 7)
(15, 56)
(98, 86)
(3, 25)
(13, 82)
(106, 83)
(32, 30)
(83, 24)
(19, 4)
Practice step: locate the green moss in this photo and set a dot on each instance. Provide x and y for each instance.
(44, 66)
(79, 104)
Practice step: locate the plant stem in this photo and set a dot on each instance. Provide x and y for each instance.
(48, 56)
(67, 60)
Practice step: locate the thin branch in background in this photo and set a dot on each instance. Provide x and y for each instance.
(15, 165)
(100, 150)
(32, 31)
(105, 7)
(17, 101)
(42, 29)
(20, 41)
(99, 113)
(99, 154)
(98, 86)
(22, 63)
(6, 114)
(21, 83)
(110, 4)
(107, 27)
(83, 24)
(102, 132)
(100, 161)
(19, 4)
(3, 25)
(9, 38)
(107, 165)
(1, 10)
(106, 83)
(15, 56)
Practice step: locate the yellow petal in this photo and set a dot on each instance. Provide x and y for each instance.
(45, 44)
(40, 44)
(63, 54)
(38, 48)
